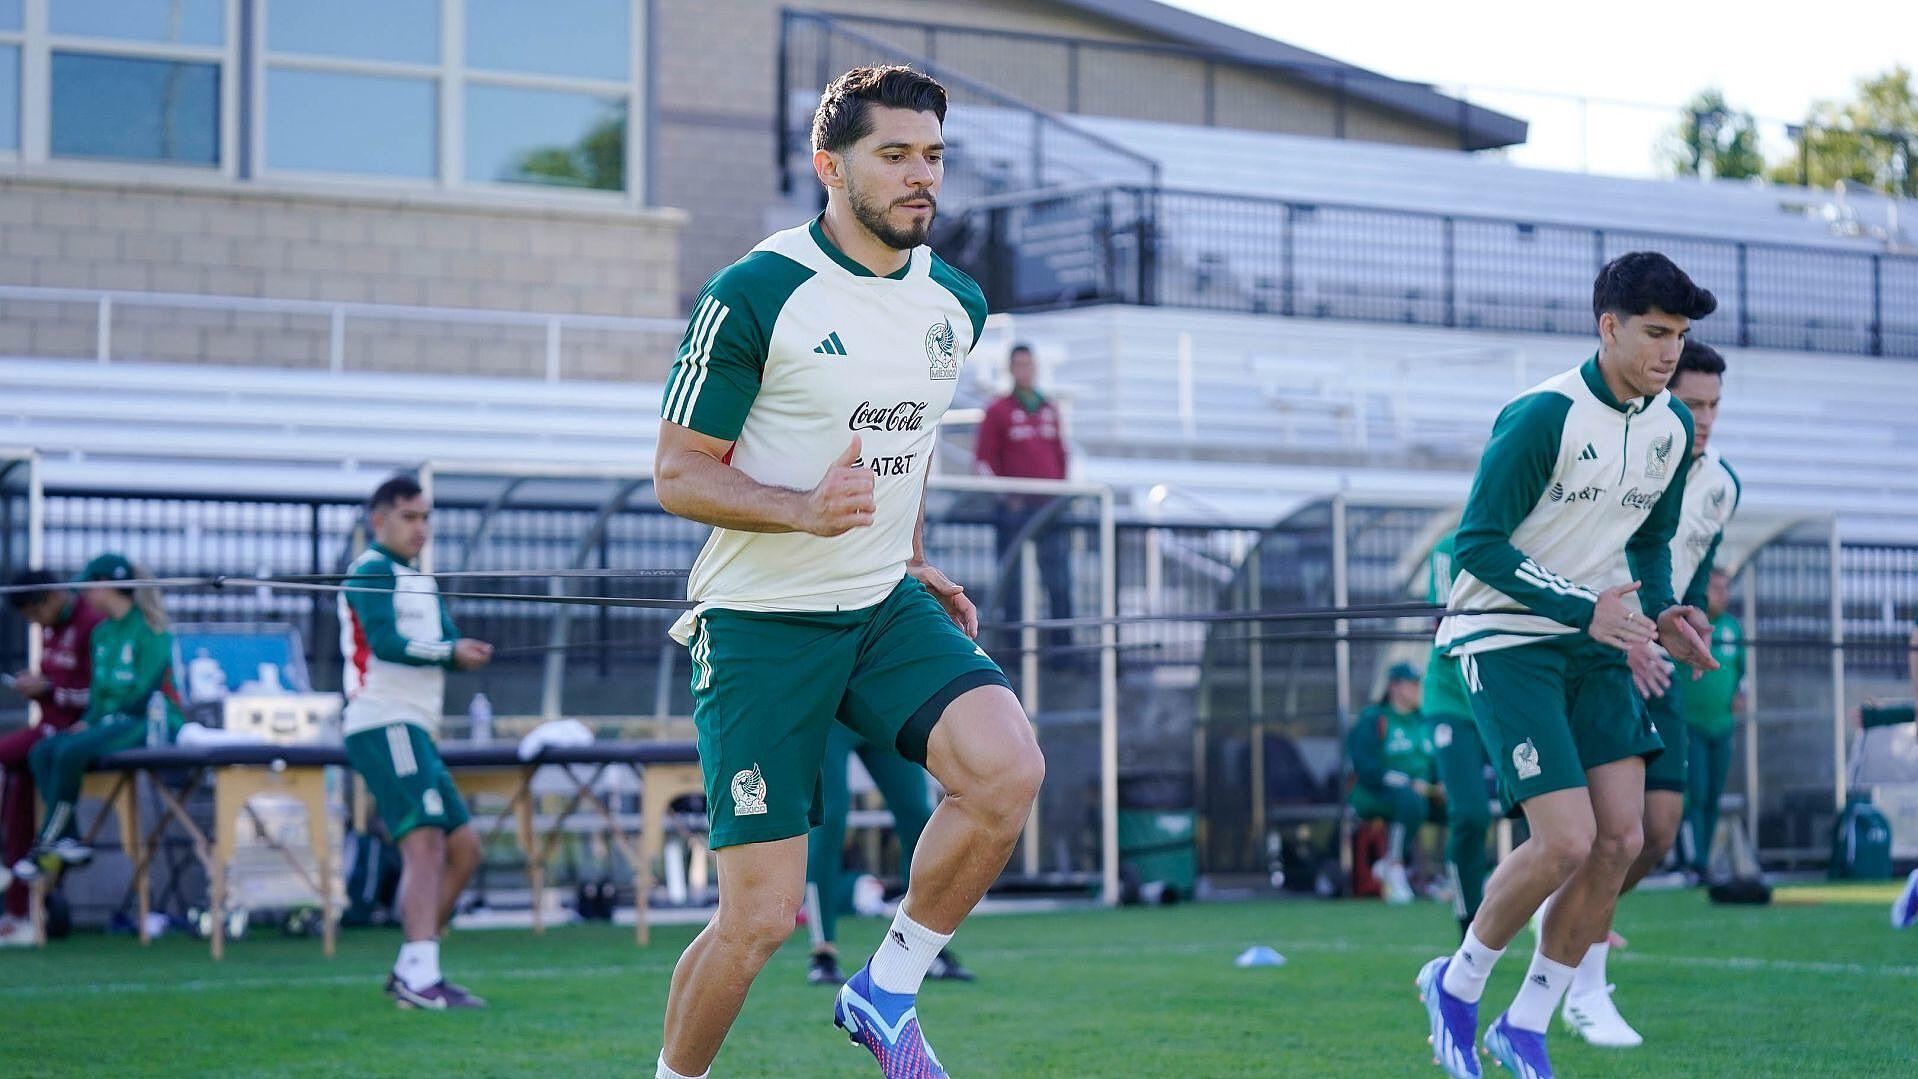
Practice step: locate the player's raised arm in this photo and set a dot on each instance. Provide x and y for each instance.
(1511, 476)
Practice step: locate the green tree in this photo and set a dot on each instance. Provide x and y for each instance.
(597, 160)
(1713, 139)
(1869, 141)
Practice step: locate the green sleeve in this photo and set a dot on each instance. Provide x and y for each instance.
(1739, 654)
(1367, 751)
(1649, 552)
(1696, 592)
(372, 603)
(1512, 474)
(716, 373)
(966, 291)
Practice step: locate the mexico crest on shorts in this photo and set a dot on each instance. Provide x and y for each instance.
(749, 793)
(941, 351)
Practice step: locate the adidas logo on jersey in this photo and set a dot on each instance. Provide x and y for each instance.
(1588, 453)
(831, 346)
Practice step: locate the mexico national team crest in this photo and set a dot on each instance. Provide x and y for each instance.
(1658, 458)
(942, 351)
(749, 793)
(1524, 760)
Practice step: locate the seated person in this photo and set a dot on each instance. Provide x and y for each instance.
(132, 661)
(1397, 776)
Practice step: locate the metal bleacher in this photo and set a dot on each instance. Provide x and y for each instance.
(1246, 410)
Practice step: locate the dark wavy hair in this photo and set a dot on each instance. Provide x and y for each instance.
(1700, 357)
(842, 118)
(1634, 283)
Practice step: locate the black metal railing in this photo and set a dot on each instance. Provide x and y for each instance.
(1158, 246)
(996, 143)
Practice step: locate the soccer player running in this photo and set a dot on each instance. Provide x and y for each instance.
(1396, 780)
(1710, 496)
(60, 688)
(1460, 753)
(132, 662)
(903, 785)
(398, 643)
(1564, 554)
(799, 422)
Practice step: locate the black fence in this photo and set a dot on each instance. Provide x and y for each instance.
(1158, 246)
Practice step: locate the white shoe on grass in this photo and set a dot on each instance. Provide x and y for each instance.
(1593, 1016)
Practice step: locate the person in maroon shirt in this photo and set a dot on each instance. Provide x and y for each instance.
(60, 687)
(1021, 435)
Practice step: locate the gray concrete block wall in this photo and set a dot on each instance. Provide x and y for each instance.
(244, 240)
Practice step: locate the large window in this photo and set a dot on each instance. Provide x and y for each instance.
(456, 93)
(136, 80)
(496, 95)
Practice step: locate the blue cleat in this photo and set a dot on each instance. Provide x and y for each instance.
(1904, 909)
(887, 1024)
(1454, 1023)
(1521, 1052)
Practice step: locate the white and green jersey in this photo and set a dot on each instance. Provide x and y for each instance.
(790, 352)
(397, 642)
(1576, 492)
(1712, 491)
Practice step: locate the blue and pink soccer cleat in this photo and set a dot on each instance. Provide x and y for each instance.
(1521, 1052)
(887, 1024)
(1454, 1023)
(1904, 909)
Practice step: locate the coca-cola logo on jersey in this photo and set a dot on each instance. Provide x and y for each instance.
(904, 416)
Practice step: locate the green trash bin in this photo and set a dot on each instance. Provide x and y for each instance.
(1158, 853)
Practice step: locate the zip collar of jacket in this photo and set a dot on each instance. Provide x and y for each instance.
(1595, 382)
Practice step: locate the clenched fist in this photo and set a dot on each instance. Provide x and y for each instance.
(843, 499)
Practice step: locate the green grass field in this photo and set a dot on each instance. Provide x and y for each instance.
(1821, 989)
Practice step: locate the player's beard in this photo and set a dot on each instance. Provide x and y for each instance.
(872, 214)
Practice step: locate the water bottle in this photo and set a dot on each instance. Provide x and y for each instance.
(156, 720)
(479, 718)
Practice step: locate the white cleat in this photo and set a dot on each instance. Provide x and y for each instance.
(1593, 1017)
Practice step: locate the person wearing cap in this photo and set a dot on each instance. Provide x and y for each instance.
(59, 687)
(1393, 763)
(132, 655)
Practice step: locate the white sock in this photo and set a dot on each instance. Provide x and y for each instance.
(665, 1072)
(905, 955)
(1590, 975)
(1470, 966)
(1544, 984)
(419, 964)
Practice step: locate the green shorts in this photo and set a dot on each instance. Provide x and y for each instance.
(768, 686)
(402, 770)
(1551, 710)
(1666, 772)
